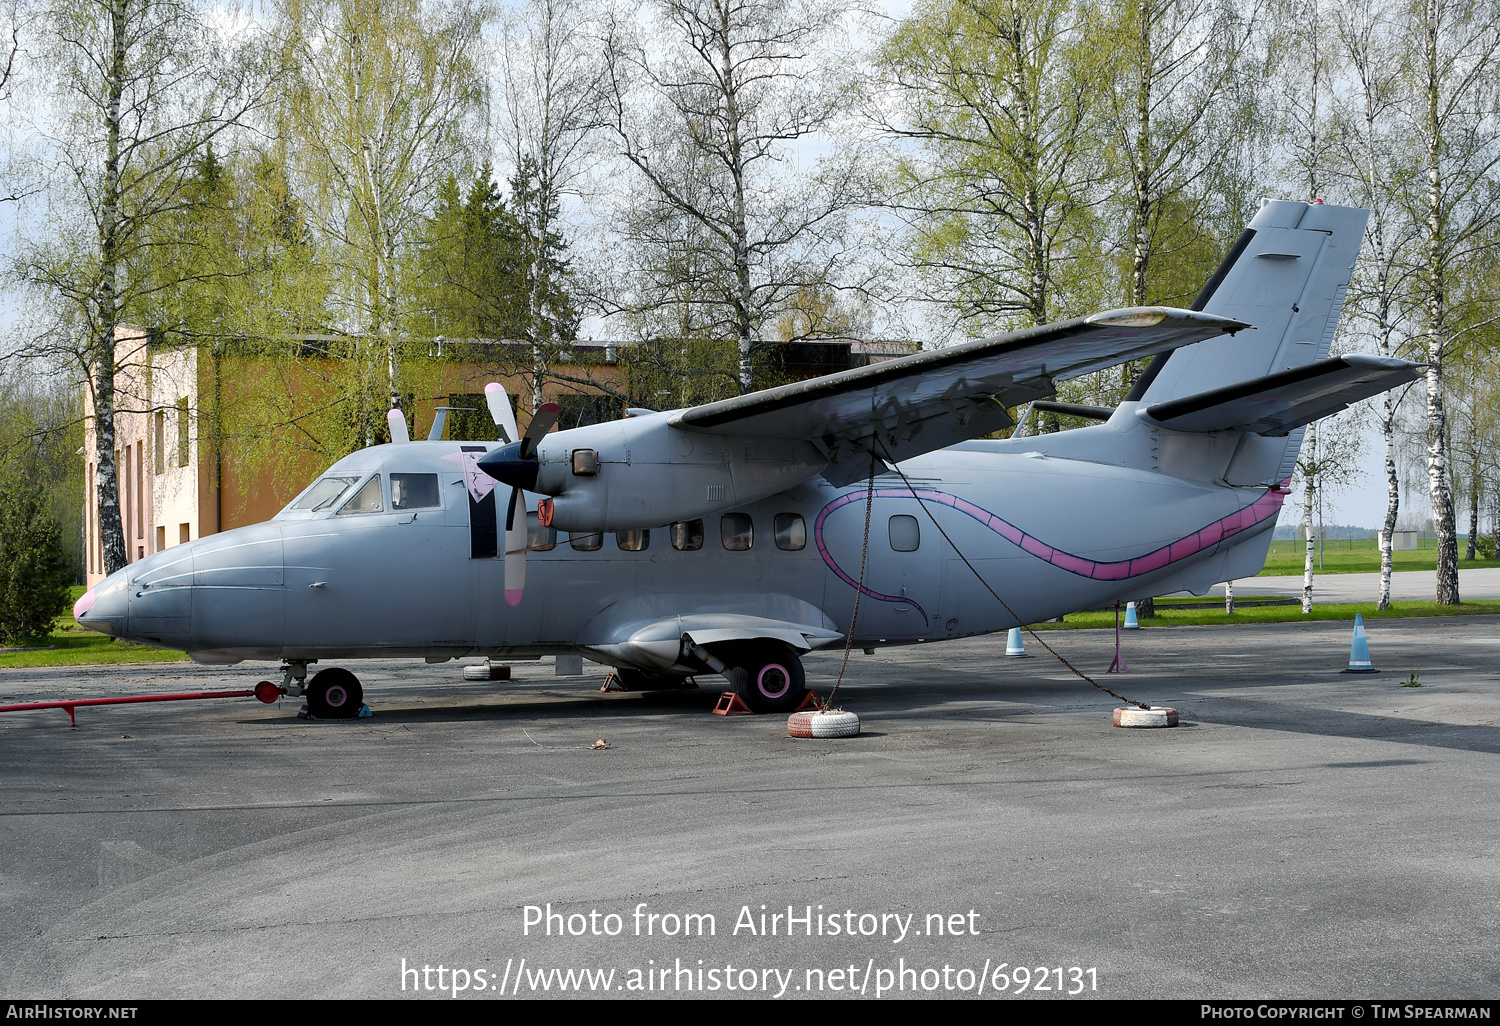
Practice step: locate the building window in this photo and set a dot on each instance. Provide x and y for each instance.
(91, 522)
(737, 531)
(184, 533)
(161, 537)
(791, 532)
(583, 410)
(159, 441)
(140, 493)
(905, 536)
(184, 440)
(469, 417)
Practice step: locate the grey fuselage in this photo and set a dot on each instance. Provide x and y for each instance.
(1050, 534)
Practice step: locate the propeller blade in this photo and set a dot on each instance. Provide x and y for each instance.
(397, 420)
(515, 548)
(540, 424)
(500, 411)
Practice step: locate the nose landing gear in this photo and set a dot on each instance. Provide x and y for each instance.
(334, 694)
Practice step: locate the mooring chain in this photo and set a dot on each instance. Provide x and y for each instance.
(977, 575)
(859, 591)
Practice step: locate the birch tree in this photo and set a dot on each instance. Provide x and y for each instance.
(1184, 107)
(381, 106)
(1306, 114)
(1003, 99)
(1450, 108)
(708, 99)
(553, 90)
(135, 91)
(1368, 158)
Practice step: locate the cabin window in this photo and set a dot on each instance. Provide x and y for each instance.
(414, 491)
(366, 500)
(687, 535)
(737, 531)
(905, 536)
(323, 493)
(791, 532)
(633, 541)
(539, 538)
(590, 542)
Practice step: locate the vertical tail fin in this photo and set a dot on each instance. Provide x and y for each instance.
(1287, 275)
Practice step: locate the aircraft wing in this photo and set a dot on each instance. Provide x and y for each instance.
(934, 399)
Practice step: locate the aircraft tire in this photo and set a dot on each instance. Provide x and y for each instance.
(334, 694)
(768, 676)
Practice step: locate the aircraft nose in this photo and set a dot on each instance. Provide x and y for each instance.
(103, 607)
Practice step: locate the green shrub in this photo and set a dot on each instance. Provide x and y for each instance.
(1484, 546)
(34, 570)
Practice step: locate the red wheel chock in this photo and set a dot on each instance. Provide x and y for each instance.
(731, 704)
(812, 701)
(612, 683)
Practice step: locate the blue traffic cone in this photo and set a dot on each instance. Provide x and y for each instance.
(1359, 649)
(1015, 645)
(1131, 623)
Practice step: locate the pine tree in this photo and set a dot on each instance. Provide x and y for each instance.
(34, 569)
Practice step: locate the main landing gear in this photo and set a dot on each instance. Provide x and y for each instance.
(767, 675)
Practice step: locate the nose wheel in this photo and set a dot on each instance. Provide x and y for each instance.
(334, 694)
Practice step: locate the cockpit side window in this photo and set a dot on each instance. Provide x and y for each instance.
(414, 491)
(366, 500)
(324, 493)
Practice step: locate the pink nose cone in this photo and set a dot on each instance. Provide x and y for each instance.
(84, 604)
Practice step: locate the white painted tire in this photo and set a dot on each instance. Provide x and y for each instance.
(822, 724)
(1156, 716)
(485, 671)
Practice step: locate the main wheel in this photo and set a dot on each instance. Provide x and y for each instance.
(334, 694)
(767, 675)
(648, 680)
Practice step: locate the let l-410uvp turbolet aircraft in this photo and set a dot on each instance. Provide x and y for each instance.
(728, 537)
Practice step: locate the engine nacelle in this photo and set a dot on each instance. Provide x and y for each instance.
(642, 472)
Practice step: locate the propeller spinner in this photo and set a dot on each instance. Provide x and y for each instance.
(515, 464)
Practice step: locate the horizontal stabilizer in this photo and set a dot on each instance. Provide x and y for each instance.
(1278, 404)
